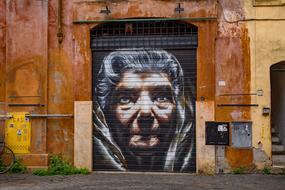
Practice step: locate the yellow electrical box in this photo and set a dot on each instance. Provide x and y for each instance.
(18, 133)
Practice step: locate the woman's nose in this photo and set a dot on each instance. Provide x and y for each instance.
(145, 105)
(145, 125)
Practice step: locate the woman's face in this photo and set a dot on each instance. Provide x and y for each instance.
(143, 107)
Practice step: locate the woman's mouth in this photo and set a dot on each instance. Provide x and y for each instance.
(144, 142)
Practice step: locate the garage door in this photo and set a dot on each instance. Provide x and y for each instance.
(144, 92)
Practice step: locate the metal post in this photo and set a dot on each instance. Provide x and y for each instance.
(4, 117)
(49, 115)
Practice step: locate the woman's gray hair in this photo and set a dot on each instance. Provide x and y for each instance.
(136, 60)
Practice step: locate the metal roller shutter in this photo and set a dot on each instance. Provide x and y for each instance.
(144, 93)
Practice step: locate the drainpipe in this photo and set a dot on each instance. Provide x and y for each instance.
(60, 34)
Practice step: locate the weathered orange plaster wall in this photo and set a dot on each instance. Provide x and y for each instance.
(206, 60)
(2, 59)
(82, 69)
(88, 10)
(60, 81)
(233, 67)
(26, 63)
(39, 71)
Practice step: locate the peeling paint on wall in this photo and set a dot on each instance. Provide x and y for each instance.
(261, 160)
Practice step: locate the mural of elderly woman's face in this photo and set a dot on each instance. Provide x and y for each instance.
(143, 109)
(140, 108)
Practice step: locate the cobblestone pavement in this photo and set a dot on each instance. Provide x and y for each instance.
(137, 181)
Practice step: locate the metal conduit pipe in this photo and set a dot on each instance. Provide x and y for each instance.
(4, 117)
(144, 19)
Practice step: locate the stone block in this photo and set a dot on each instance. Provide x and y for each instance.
(83, 134)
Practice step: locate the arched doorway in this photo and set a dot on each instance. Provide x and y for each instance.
(277, 79)
(144, 93)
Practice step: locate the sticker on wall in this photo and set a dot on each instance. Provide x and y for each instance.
(143, 112)
(18, 133)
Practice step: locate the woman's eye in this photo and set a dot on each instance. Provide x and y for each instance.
(162, 99)
(125, 100)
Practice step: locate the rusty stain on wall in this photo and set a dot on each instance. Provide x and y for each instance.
(24, 81)
(233, 67)
(60, 131)
(60, 82)
(238, 158)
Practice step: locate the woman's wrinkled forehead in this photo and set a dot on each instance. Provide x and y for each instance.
(146, 72)
(131, 79)
(137, 61)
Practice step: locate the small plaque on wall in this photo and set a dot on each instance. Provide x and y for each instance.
(217, 133)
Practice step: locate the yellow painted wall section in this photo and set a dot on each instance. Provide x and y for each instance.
(267, 46)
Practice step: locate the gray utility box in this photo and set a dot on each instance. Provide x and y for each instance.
(241, 134)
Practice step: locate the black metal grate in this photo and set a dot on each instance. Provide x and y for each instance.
(144, 28)
(148, 34)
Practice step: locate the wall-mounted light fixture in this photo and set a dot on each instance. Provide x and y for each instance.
(105, 11)
(179, 9)
(259, 92)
